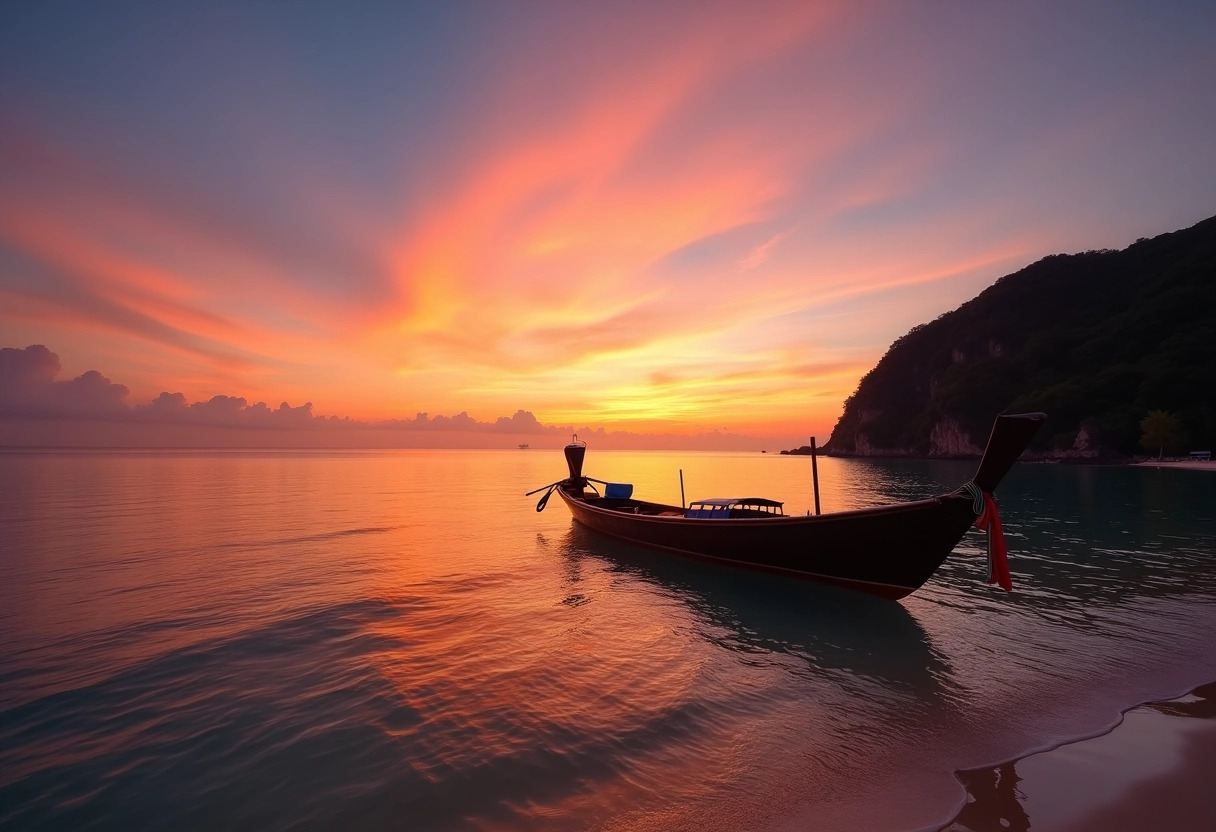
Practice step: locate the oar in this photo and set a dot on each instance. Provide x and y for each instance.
(543, 501)
(543, 487)
(1010, 435)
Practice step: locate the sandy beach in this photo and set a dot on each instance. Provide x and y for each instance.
(1197, 465)
(1153, 771)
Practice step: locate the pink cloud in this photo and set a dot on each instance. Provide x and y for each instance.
(28, 388)
(91, 411)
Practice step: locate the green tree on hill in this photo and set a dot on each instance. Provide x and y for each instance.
(1160, 430)
(1094, 340)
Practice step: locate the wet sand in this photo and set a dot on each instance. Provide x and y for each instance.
(1156, 770)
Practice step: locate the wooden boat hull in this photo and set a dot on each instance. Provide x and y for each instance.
(888, 551)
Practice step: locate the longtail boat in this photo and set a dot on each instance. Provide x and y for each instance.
(885, 550)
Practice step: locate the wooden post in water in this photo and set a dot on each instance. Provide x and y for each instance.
(815, 474)
(682, 489)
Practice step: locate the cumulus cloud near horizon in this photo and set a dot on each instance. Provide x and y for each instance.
(38, 409)
(30, 389)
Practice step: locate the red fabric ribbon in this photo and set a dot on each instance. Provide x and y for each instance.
(998, 558)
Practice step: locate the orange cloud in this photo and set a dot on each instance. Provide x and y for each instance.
(648, 218)
(540, 260)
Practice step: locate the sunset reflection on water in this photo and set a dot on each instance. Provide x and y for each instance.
(319, 639)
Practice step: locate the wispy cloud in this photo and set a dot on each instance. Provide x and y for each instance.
(756, 257)
(646, 215)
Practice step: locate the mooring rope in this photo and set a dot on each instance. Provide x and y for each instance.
(983, 505)
(977, 497)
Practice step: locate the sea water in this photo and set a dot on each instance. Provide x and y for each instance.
(398, 640)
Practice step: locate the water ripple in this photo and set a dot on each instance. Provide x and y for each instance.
(262, 643)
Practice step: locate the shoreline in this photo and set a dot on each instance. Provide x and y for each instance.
(1194, 465)
(1151, 770)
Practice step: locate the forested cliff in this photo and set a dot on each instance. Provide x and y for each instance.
(1095, 340)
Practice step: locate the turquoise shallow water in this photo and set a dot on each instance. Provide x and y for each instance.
(385, 640)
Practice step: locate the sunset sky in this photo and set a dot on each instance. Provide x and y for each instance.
(664, 217)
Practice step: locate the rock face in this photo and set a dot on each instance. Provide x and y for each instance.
(948, 439)
(863, 447)
(1095, 340)
(1083, 449)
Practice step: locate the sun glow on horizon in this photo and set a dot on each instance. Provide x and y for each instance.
(668, 220)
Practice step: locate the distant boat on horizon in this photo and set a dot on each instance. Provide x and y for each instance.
(523, 445)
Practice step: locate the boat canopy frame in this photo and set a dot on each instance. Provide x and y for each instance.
(720, 507)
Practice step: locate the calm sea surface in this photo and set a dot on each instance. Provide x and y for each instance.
(397, 640)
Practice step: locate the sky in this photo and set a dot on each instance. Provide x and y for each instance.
(686, 218)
